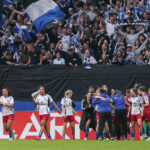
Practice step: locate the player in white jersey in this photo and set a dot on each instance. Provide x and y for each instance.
(42, 100)
(136, 111)
(68, 113)
(7, 102)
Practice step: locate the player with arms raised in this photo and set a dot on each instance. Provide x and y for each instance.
(41, 101)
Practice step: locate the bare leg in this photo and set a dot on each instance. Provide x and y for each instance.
(64, 129)
(73, 129)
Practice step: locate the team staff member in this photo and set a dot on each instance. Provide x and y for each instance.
(42, 101)
(136, 111)
(67, 113)
(146, 108)
(7, 102)
(88, 116)
(120, 114)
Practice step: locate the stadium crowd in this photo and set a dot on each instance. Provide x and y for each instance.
(93, 32)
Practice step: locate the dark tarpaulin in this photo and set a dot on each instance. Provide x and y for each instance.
(1, 10)
(24, 80)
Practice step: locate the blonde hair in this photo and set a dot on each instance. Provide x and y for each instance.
(68, 92)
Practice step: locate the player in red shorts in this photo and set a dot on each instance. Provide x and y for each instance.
(127, 106)
(7, 102)
(41, 101)
(146, 108)
(67, 113)
(136, 111)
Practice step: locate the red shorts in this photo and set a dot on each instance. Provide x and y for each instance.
(135, 117)
(68, 119)
(98, 116)
(44, 117)
(9, 117)
(146, 118)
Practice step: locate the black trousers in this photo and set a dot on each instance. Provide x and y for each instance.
(120, 115)
(105, 116)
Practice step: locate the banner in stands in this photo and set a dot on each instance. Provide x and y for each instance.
(25, 80)
(27, 126)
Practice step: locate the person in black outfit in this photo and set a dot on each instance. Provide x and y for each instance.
(88, 119)
(35, 56)
(73, 58)
(8, 60)
(120, 114)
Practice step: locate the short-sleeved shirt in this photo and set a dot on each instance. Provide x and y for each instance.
(7, 110)
(136, 105)
(146, 100)
(35, 57)
(67, 102)
(43, 104)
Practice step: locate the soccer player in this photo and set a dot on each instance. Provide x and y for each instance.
(127, 110)
(105, 113)
(41, 101)
(106, 129)
(146, 109)
(7, 102)
(136, 111)
(95, 105)
(68, 113)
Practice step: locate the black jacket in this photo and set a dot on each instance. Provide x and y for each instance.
(87, 113)
(74, 59)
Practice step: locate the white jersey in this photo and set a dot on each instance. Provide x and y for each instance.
(67, 102)
(43, 104)
(7, 110)
(136, 105)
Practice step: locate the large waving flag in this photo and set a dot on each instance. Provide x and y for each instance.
(8, 2)
(42, 12)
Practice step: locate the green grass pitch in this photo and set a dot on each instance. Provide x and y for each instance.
(73, 145)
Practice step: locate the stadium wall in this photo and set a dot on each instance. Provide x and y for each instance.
(23, 80)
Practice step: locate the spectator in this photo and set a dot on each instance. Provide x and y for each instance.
(129, 55)
(140, 61)
(104, 59)
(47, 58)
(34, 56)
(118, 58)
(8, 60)
(133, 36)
(8, 39)
(73, 58)
(88, 60)
(58, 60)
